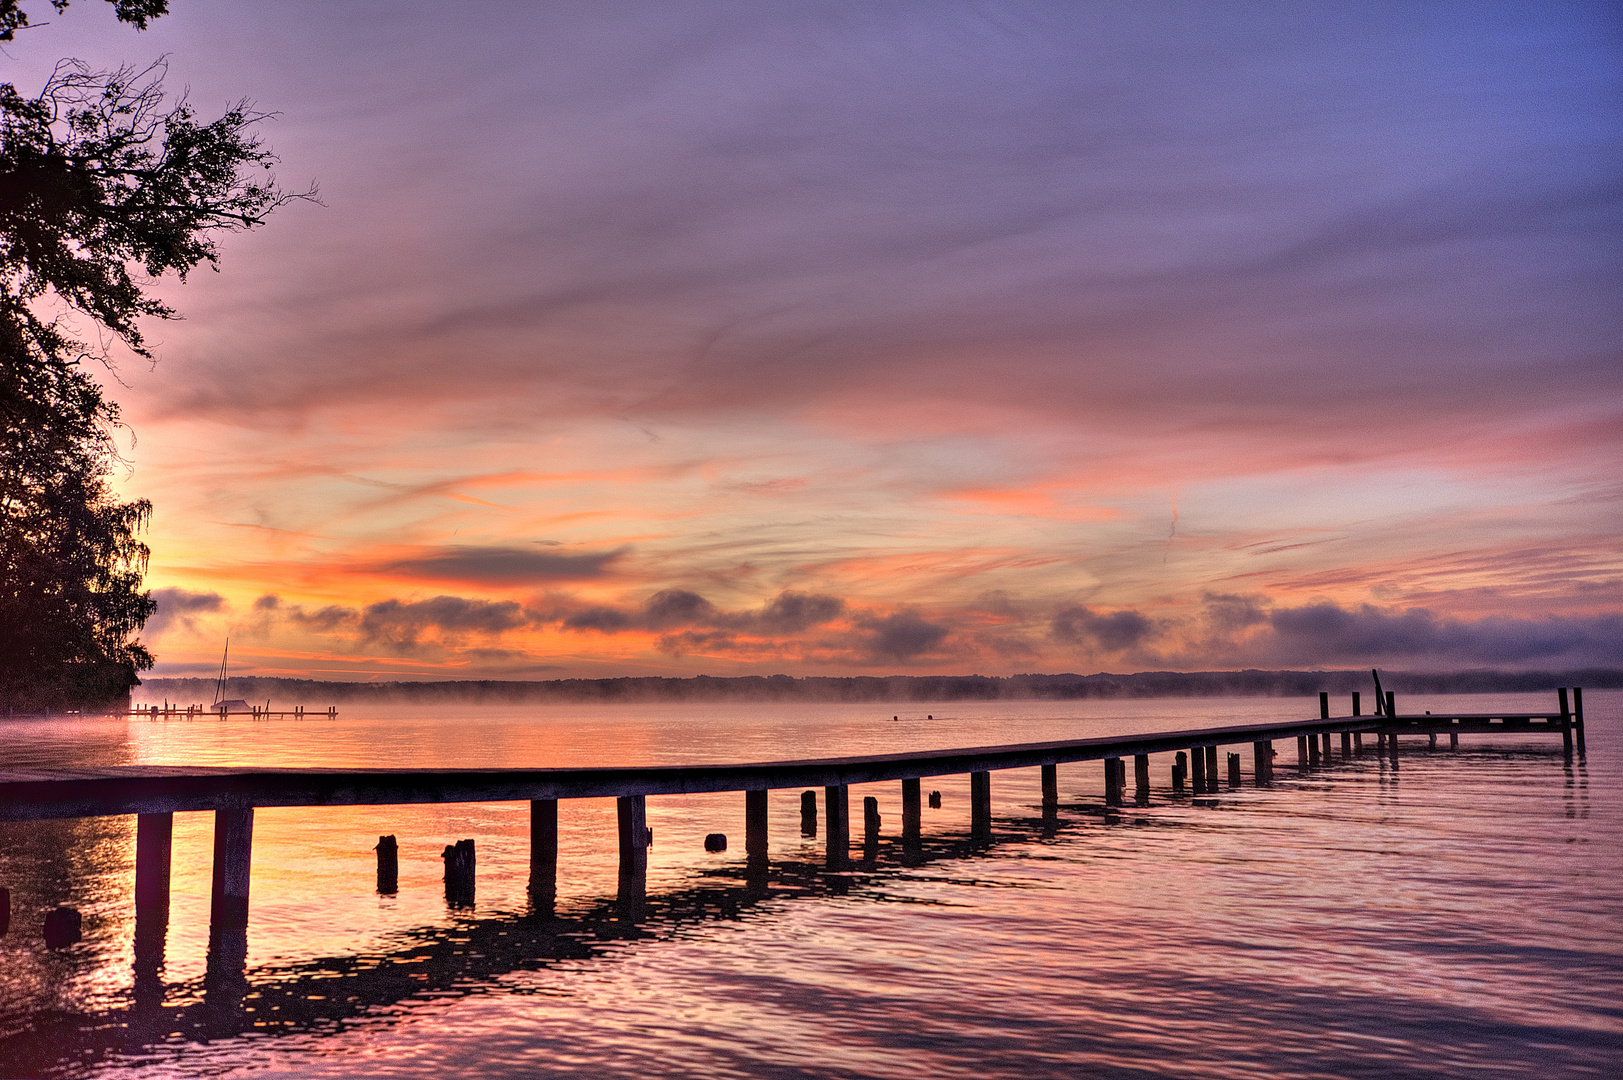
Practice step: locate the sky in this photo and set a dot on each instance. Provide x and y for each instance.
(849, 338)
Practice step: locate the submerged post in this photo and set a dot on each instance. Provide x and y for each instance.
(1346, 744)
(1050, 786)
(1301, 752)
(154, 840)
(1197, 769)
(980, 805)
(1578, 715)
(1211, 770)
(755, 825)
(808, 813)
(1262, 754)
(543, 854)
(1141, 779)
(1113, 774)
(388, 865)
(233, 854)
(836, 808)
(1234, 770)
(912, 815)
(870, 825)
(1566, 721)
(1180, 769)
(632, 811)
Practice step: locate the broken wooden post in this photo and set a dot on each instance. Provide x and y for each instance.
(1357, 710)
(1262, 761)
(1197, 769)
(1050, 786)
(755, 826)
(837, 830)
(870, 824)
(1453, 740)
(1211, 770)
(459, 873)
(1180, 770)
(980, 805)
(1326, 748)
(1313, 749)
(1391, 704)
(63, 927)
(233, 855)
(1358, 742)
(543, 855)
(1431, 740)
(1346, 744)
(1113, 775)
(1141, 779)
(388, 865)
(1234, 770)
(808, 813)
(1324, 704)
(912, 838)
(632, 813)
(716, 841)
(1301, 751)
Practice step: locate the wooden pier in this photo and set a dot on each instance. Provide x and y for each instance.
(155, 793)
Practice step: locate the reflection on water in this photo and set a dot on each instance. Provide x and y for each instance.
(1337, 923)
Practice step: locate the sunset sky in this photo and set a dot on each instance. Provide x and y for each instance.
(855, 338)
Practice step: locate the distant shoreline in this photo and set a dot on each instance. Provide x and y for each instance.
(862, 688)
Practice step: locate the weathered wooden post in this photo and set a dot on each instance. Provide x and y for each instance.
(935, 800)
(980, 806)
(1211, 770)
(755, 826)
(1234, 770)
(1301, 751)
(1357, 704)
(1050, 786)
(388, 865)
(1566, 722)
(1324, 704)
(1391, 704)
(1141, 779)
(63, 927)
(154, 840)
(912, 816)
(233, 855)
(1453, 740)
(1358, 742)
(1431, 740)
(1180, 769)
(1113, 775)
(1262, 757)
(632, 811)
(5, 911)
(808, 813)
(1346, 744)
(459, 873)
(870, 826)
(544, 855)
(1578, 715)
(836, 809)
(1197, 769)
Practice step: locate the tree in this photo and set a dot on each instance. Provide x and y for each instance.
(103, 189)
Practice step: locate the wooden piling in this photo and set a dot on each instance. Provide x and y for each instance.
(1211, 770)
(1197, 769)
(1113, 774)
(388, 865)
(543, 854)
(1234, 770)
(1324, 704)
(755, 825)
(1453, 740)
(154, 840)
(980, 806)
(5, 911)
(1566, 721)
(837, 828)
(912, 817)
(233, 856)
(1357, 710)
(1391, 703)
(1346, 744)
(1050, 786)
(1262, 762)
(1578, 715)
(1180, 770)
(935, 800)
(1301, 751)
(870, 824)
(1141, 779)
(459, 873)
(632, 813)
(1431, 740)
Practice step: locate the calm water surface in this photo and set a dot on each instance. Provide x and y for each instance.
(1458, 915)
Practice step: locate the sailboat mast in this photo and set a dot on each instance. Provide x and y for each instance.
(219, 684)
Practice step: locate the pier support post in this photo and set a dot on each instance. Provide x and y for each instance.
(1566, 722)
(1180, 769)
(1324, 705)
(1431, 740)
(1578, 716)
(1301, 751)
(1113, 774)
(543, 855)
(755, 826)
(1357, 702)
(836, 809)
(980, 806)
(1211, 770)
(1358, 742)
(1262, 754)
(1392, 704)
(1346, 744)
(388, 850)
(1313, 749)
(1141, 779)
(1050, 786)
(154, 837)
(870, 826)
(1453, 740)
(1197, 767)
(808, 813)
(633, 822)
(1234, 770)
(233, 856)
(912, 815)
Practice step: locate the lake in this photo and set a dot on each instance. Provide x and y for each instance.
(1456, 915)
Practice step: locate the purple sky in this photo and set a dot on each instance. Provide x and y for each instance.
(677, 338)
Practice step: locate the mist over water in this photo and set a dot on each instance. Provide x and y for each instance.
(1454, 916)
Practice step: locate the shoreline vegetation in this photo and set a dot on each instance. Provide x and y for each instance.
(863, 688)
